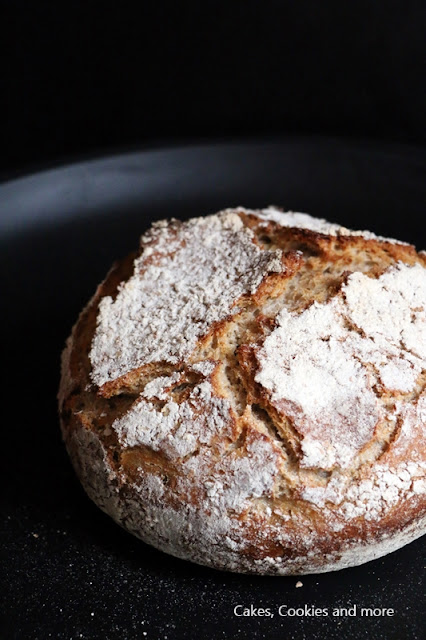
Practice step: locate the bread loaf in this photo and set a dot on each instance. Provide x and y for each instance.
(247, 391)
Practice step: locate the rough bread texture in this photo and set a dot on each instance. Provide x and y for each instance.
(248, 392)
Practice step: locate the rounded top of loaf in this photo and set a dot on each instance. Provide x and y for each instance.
(321, 355)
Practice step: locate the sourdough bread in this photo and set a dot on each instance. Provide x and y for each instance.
(247, 391)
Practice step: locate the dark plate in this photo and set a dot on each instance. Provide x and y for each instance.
(70, 571)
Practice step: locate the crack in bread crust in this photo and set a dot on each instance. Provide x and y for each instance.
(200, 460)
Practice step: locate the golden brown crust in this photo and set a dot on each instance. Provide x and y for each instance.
(198, 457)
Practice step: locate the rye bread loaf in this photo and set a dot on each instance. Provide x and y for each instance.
(247, 391)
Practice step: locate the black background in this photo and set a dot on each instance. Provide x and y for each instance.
(84, 77)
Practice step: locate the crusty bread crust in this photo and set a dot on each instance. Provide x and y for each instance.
(284, 434)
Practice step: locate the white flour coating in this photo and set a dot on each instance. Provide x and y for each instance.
(200, 536)
(392, 312)
(310, 369)
(320, 368)
(228, 481)
(413, 419)
(374, 495)
(233, 479)
(158, 387)
(176, 429)
(196, 533)
(321, 372)
(189, 279)
(225, 485)
(319, 225)
(205, 367)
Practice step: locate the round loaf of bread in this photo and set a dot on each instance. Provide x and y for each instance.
(247, 391)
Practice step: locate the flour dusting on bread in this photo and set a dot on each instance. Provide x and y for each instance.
(189, 276)
(299, 220)
(249, 393)
(321, 366)
(176, 428)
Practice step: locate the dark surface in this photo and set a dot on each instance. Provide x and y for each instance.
(70, 572)
(84, 76)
